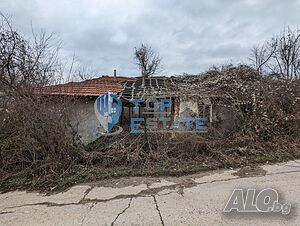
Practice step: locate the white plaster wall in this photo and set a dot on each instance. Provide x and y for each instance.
(84, 120)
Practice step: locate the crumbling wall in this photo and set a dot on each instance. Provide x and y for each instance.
(192, 106)
(188, 108)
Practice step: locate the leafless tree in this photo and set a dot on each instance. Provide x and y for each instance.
(281, 55)
(148, 61)
(24, 63)
(261, 55)
(288, 53)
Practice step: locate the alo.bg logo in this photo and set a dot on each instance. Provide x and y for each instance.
(253, 201)
(108, 109)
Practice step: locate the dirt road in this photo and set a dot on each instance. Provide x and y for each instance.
(196, 199)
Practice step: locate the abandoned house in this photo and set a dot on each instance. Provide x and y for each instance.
(186, 101)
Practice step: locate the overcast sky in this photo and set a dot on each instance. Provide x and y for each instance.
(190, 35)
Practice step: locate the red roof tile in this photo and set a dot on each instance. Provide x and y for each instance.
(92, 87)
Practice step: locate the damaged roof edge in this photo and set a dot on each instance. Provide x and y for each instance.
(91, 87)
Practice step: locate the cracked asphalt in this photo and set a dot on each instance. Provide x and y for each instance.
(196, 199)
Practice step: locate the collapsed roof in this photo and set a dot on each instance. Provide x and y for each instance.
(142, 87)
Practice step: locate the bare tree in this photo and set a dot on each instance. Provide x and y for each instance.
(287, 54)
(25, 64)
(148, 61)
(261, 55)
(281, 55)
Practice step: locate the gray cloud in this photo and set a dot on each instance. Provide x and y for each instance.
(190, 35)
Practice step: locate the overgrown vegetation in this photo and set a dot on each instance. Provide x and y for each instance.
(267, 126)
(39, 149)
(33, 139)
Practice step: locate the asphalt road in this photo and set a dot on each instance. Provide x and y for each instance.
(197, 199)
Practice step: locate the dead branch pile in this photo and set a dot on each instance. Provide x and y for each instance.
(33, 139)
(268, 106)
